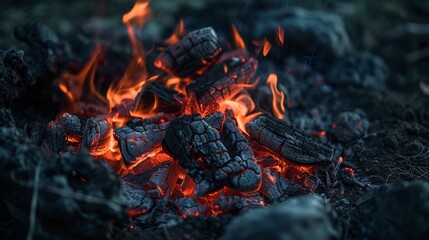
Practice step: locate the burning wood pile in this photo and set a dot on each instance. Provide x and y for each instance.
(211, 131)
(201, 146)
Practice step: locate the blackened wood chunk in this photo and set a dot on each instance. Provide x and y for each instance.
(224, 88)
(288, 143)
(229, 204)
(273, 184)
(97, 136)
(73, 125)
(140, 141)
(54, 137)
(249, 177)
(192, 55)
(189, 207)
(215, 120)
(197, 147)
(162, 181)
(166, 100)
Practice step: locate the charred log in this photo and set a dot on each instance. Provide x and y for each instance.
(287, 143)
(249, 176)
(189, 139)
(73, 126)
(140, 141)
(97, 136)
(215, 90)
(192, 55)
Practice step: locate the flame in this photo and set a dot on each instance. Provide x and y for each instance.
(241, 105)
(239, 43)
(266, 48)
(138, 15)
(79, 88)
(278, 96)
(179, 33)
(280, 33)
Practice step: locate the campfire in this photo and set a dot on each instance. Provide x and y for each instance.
(215, 129)
(190, 136)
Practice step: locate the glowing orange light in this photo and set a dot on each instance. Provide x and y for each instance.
(239, 43)
(79, 88)
(280, 35)
(266, 48)
(179, 32)
(138, 15)
(278, 97)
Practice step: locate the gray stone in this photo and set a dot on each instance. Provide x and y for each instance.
(304, 217)
(394, 211)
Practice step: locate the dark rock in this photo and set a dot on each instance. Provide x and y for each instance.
(349, 126)
(307, 33)
(394, 211)
(360, 70)
(14, 75)
(305, 217)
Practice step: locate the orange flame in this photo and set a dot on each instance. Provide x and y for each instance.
(239, 43)
(179, 33)
(266, 48)
(138, 15)
(280, 35)
(79, 88)
(278, 97)
(241, 105)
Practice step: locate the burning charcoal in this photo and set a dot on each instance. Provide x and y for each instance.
(273, 185)
(73, 126)
(215, 120)
(162, 181)
(54, 137)
(401, 209)
(288, 143)
(189, 207)
(14, 75)
(138, 200)
(228, 204)
(248, 173)
(97, 136)
(349, 126)
(213, 91)
(218, 71)
(304, 217)
(192, 55)
(140, 142)
(190, 139)
(167, 100)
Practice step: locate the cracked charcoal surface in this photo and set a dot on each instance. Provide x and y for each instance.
(190, 138)
(192, 55)
(189, 207)
(289, 143)
(273, 184)
(140, 140)
(73, 126)
(96, 136)
(210, 92)
(249, 177)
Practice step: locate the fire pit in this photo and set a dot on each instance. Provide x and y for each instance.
(209, 133)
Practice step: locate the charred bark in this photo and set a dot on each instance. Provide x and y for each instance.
(288, 143)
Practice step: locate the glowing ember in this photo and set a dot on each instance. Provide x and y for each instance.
(280, 35)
